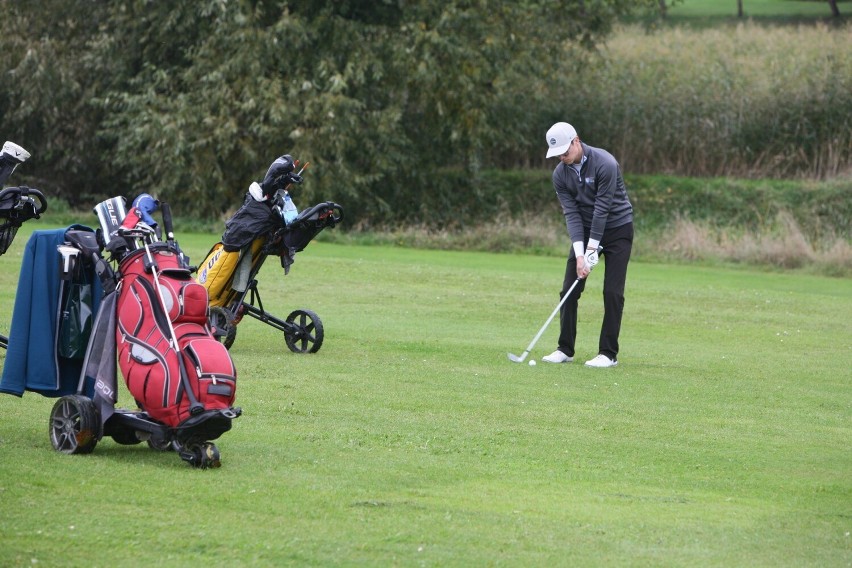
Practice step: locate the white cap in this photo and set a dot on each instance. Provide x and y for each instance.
(559, 137)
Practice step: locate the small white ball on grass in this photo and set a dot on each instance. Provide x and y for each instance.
(532, 362)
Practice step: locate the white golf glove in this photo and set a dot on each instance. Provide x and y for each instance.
(591, 257)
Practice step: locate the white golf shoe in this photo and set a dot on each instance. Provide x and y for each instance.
(601, 361)
(557, 357)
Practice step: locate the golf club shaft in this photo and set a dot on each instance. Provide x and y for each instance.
(552, 315)
(195, 407)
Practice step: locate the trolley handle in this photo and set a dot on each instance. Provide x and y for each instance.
(26, 194)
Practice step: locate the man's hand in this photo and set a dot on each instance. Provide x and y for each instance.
(587, 262)
(582, 269)
(591, 258)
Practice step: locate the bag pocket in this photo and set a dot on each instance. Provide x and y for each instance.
(217, 388)
(76, 319)
(193, 303)
(147, 373)
(214, 370)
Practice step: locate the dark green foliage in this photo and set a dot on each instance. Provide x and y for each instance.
(409, 112)
(819, 208)
(192, 100)
(49, 79)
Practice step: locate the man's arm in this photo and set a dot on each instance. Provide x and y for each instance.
(606, 184)
(571, 211)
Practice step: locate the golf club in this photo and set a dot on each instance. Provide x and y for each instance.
(10, 157)
(515, 358)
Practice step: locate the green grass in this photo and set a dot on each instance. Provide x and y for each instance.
(760, 10)
(722, 439)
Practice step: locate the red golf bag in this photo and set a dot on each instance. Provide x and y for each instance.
(171, 363)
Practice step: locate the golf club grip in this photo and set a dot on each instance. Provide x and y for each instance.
(167, 220)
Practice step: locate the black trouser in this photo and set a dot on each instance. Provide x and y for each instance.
(617, 244)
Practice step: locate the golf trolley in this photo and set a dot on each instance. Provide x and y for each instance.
(78, 421)
(17, 204)
(303, 331)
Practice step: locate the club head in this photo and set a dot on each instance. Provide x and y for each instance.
(515, 359)
(14, 152)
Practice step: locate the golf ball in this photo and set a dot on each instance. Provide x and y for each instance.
(532, 362)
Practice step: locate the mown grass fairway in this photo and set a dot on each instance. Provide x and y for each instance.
(772, 9)
(409, 439)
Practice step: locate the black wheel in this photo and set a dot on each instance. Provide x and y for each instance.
(162, 445)
(74, 425)
(126, 437)
(224, 328)
(305, 332)
(202, 456)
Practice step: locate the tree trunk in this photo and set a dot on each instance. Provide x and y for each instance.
(663, 8)
(739, 8)
(834, 11)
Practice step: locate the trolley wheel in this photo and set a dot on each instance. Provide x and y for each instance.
(304, 333)
(202, 456)
(74, 425)
(161, 445)
(126, 437)
(224, 328)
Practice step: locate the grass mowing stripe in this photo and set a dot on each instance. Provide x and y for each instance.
(752, 8)
(722, 437)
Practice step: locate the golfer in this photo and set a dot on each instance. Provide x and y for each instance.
(597, 212)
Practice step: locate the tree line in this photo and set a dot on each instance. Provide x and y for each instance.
(389, 100)
(192, 100)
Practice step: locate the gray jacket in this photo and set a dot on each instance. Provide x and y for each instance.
(596, 199)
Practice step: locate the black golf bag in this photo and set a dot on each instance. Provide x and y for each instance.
(266, 224)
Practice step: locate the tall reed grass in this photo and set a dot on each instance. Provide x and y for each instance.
(779, 243)
(744, 100)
